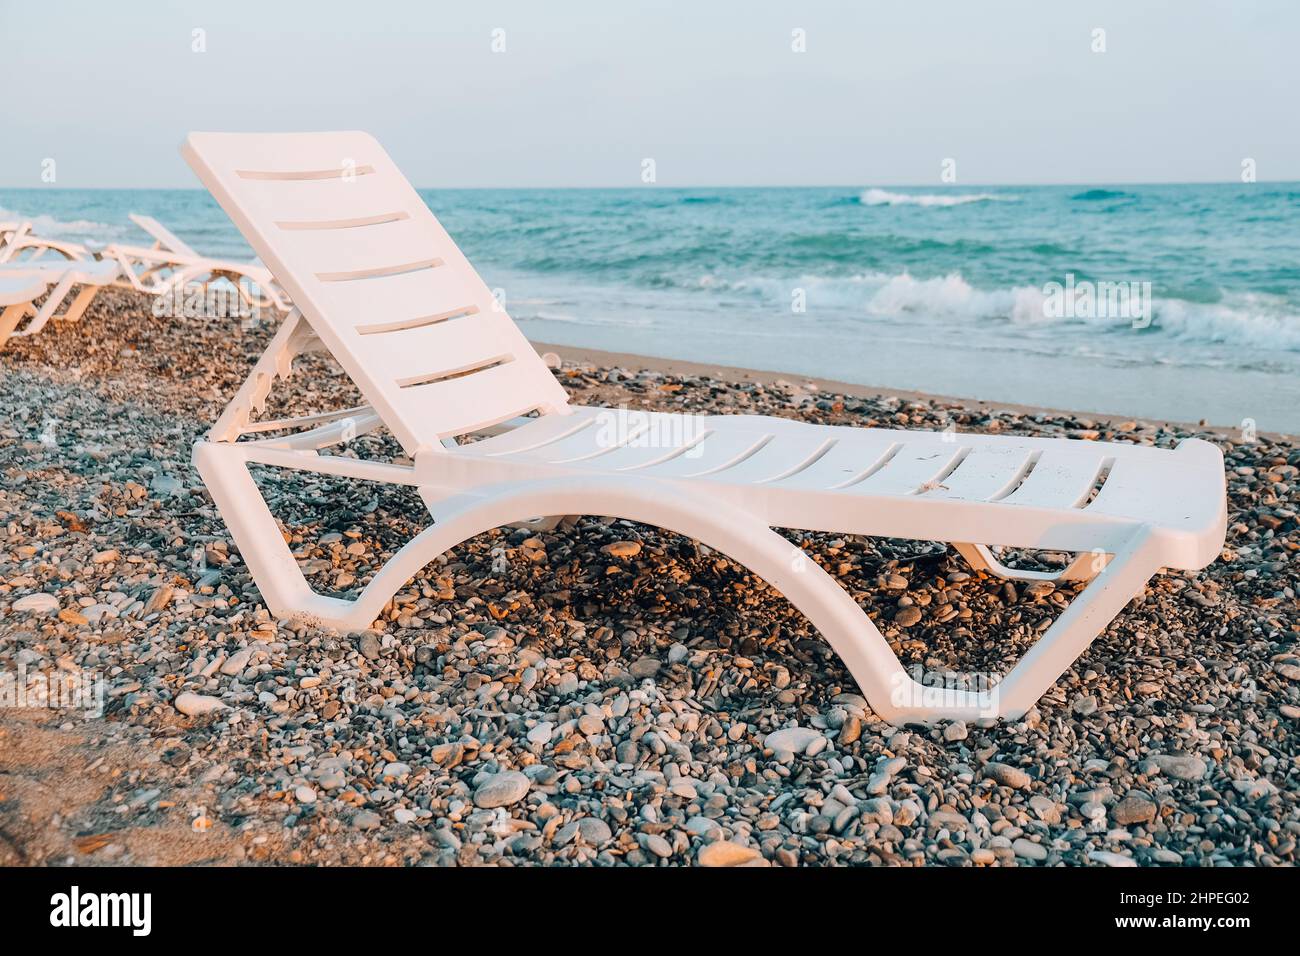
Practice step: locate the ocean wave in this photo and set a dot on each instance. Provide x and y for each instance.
(882, 197)
(1094, 195)
(1254, 319)
(85, 231)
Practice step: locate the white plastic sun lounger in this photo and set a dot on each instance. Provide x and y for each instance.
(63, 274)
(379, 283)
(17, 293)
(163, 238)
(19, 244)
(172, 264)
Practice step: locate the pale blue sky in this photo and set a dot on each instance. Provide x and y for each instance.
(710, 90)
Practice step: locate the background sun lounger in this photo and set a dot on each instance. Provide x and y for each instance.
(64, 275)
(19, 244)
(170, 264)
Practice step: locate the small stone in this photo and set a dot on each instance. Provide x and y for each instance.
(36, 604)
(1133, 809)
(1085, 706)
(907, 616)
(955, 731)
(726, 853)
(677, 653)
(623, 549)
(105, 557)
(304, 794)
(983, 856)
(331, 780)
(702, 826)
(368, 645)
(1045, 809)
(1111, 859)
(795, 740)
(657, 845)
(365, 820)
(404, 815)
(644, 667)
(195, 705)
(594, 830)
(541, 734)
(683, 788)
(1184, 767)
(237, 661)
(160, 598)
(568, 684)
(1029, 850)
(850, 730)
(1007, 776)
(501, 790)
(70, 616)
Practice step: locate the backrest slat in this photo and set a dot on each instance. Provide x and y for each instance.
(381, 283)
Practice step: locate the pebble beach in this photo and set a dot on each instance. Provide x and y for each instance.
(603, 693)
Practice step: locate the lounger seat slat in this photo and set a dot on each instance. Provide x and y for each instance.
(445, 346)
(847, 461)
(911, 469)
(597, 437)
(784, 456)
(718, 453)
(294, 202)
(984, 473)
(1061, 477)
(364, 248)
(536, 434)
(400, 298)
(482, 399)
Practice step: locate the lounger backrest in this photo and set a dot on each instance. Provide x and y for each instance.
(162, 235)
(378, 278)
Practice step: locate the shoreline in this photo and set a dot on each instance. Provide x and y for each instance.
(733, 373)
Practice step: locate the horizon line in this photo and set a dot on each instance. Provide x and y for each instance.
(652, 186)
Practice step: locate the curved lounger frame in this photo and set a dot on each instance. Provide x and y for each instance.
(458, 516)
(386, 291)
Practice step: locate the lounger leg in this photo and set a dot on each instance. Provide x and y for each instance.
(79, 304)
(1123, 579)
(1085, 566)
(48, 307)
(9, 319)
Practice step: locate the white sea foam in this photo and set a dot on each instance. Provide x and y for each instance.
(1254, 320)
(86, 231)
(883, 197)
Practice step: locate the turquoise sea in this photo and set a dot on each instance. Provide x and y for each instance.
(939, 289)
